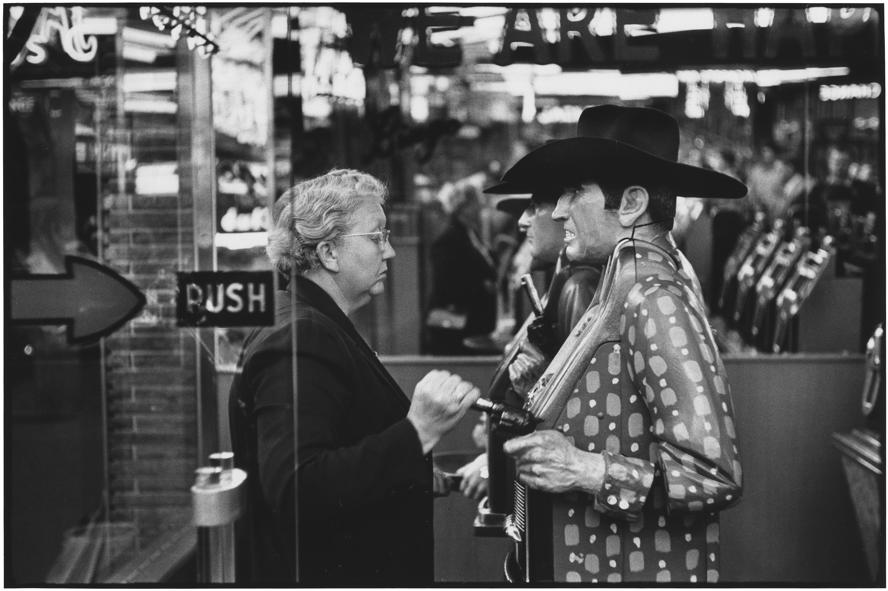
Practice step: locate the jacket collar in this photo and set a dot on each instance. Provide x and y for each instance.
(307, 292)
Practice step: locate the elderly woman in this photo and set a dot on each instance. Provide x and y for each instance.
(364, 475)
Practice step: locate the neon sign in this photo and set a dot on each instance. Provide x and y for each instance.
(65, 22)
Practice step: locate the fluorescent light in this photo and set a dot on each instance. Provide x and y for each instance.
(480, 12)
(98, 25)
(770, 77)
(241, 240)
(777, 77)
(157, 179)
(149, 106)
(670, 20)
(149, 81)
(717, 76)
(607, 83)
(641, 86)
(137, 53)
(149, 38)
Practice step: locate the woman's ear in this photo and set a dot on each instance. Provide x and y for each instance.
(328, 255)
(633, 205)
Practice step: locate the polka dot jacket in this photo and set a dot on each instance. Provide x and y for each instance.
(654, 400)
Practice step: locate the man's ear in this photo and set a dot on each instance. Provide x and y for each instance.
(328, 255)
(633, 205)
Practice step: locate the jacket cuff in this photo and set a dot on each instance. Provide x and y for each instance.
(627, 482)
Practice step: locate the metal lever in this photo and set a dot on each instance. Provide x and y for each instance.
(535, 301)
(217, 503)
(507, 417)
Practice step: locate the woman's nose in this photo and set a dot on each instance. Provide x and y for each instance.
(389, 251)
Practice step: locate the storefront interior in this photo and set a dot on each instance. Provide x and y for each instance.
(154, 141)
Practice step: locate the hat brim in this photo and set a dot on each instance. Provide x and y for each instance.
(506, 188)
(513, 205)
(575, 160)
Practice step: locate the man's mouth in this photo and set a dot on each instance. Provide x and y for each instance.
(568, 235)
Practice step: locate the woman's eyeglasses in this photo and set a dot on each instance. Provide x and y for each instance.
(380, 237)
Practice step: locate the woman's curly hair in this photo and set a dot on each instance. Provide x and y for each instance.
(316, 210)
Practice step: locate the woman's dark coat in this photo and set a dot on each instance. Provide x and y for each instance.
(365, 499)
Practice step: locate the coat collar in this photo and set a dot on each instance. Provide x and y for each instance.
(307, 292)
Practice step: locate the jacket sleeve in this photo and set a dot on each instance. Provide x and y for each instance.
(336, 472)
(674, 364)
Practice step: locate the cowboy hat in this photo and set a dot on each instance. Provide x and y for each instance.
(516, 204)
(627, 143)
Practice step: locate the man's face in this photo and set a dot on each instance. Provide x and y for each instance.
(590, 231)
(544, 234)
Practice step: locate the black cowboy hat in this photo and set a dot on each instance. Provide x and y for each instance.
(615, 142)
(515, 204)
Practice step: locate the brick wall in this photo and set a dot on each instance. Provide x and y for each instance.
(150, 367)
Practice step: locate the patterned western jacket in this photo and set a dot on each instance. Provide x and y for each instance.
(640, 381)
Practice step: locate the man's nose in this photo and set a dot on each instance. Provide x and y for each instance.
(561, 208)
(524, 221)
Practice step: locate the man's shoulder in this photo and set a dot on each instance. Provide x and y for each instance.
(665, 292)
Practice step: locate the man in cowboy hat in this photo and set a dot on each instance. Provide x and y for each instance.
(569, 293)
(637, 450)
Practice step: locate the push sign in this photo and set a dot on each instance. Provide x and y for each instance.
(225, 298)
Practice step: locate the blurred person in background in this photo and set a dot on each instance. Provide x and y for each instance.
(364, 476)
(795, 184)
(867, 191)
(765, 180)
(463, 296)
(835, 195)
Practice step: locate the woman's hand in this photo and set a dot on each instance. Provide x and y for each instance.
(440, 400)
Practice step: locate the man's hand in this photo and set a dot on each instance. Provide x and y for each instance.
(547, 461)
(474, 478)
(527, 368)
(440, 400)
